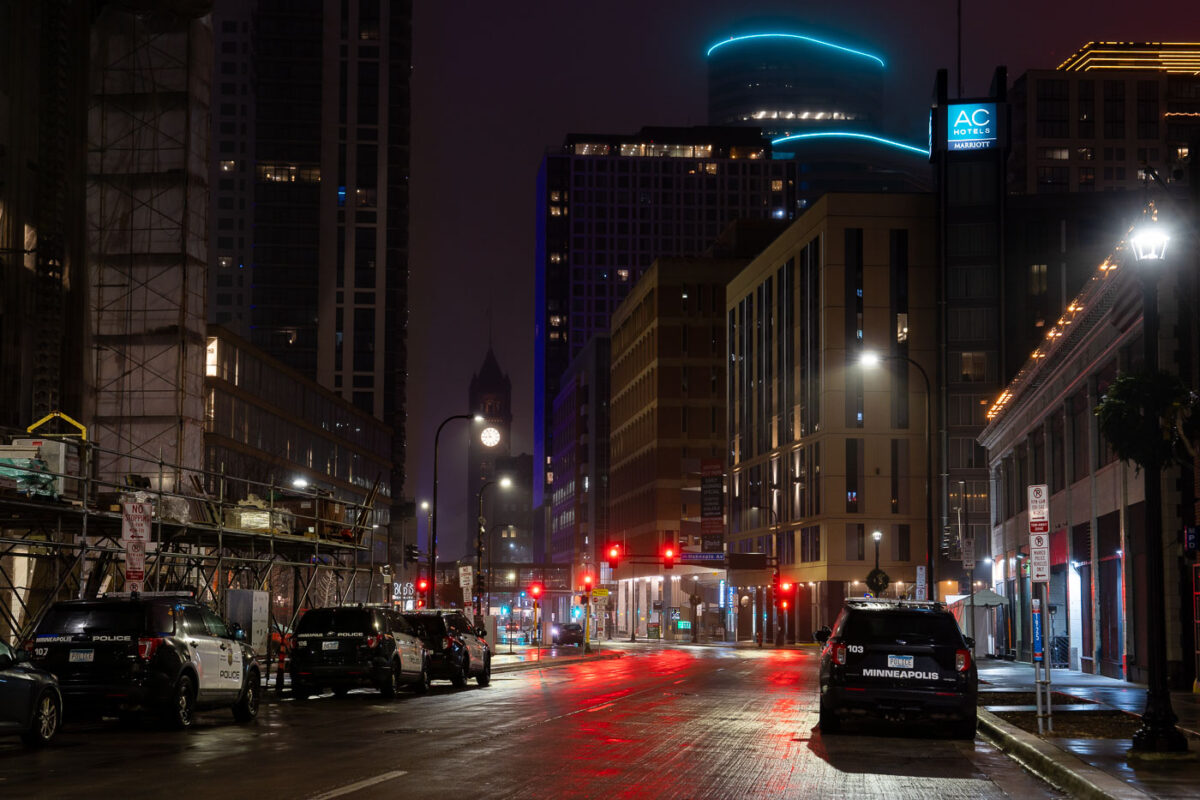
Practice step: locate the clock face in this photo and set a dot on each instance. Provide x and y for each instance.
(490, 437)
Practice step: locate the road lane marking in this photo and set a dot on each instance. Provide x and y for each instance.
(354, 787)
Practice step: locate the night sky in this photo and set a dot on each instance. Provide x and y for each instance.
(495, 84)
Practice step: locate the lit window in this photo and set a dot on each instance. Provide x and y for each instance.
(902, 327)
(227, 166)
(1181, 153)
(710, 168)
(1054, 153)
(776, 186)
(224, 262)
(556, 258)
(623, 275)
(974, 366)
(1037, 279)
(1086, 153)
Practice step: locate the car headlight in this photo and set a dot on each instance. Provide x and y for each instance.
(554, 630)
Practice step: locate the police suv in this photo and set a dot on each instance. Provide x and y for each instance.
(150, 651)
(897, 660)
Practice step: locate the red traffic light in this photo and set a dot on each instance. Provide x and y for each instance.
(785, 586)
(422, 585)
(535, 590)
(614, 555)
(785, 604)
(668, 558)
(587, 582)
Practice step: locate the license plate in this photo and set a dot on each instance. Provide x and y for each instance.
(81, 656)
(900, 662)
(329, 645)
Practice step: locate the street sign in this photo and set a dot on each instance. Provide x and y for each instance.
(599, 592)
(968, 551)
(464, 577)
(1039, 533)
(686, 556)
(921, 594)
(135, 531)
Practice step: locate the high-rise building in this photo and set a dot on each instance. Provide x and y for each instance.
(823, 452)
(819, 103)
(1108, 112)
(608, 205)
(579, 503)
(311, 124)
(788, 83)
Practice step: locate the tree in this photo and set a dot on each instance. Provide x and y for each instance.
(1147, 417)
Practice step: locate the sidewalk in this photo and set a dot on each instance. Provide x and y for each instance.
(1088, 767)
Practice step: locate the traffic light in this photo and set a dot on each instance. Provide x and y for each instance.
(535, 591)
(614, 555)
(422, 591)
(787, 591)
(482, 581)
(668, 556)
(775, 586)
(410, 554)
(587, 582)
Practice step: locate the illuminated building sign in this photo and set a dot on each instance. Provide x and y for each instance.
(971, 126)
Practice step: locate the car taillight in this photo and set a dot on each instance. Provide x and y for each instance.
(962, 660)
(839, 654)
(372, 641)
(148, 646)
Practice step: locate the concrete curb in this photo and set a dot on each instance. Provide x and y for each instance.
(1053, 764)
(523, 666)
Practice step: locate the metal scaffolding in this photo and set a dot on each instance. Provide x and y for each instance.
(61, 538)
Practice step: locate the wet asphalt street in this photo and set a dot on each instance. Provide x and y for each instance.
(661, 722)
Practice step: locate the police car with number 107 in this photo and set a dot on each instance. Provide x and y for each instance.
(161, 652)
(900, 661)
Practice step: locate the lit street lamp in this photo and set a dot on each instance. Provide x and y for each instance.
(877, 535)
(1158, 733)
(504, 482)
(433, 515)
(871, 360)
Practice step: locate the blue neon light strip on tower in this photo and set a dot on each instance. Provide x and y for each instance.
(851, 135)
(798, 37)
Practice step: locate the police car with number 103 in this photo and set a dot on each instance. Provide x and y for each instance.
(900, 661)
(162, 652)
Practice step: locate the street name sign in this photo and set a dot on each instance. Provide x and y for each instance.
(686, 556)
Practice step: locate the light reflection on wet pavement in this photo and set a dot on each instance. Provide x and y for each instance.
(661, 722)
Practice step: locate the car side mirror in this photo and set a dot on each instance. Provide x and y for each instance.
(481, 632)
(6, 661)
(822, 635)
(239, 633)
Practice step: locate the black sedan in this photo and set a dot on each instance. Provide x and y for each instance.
(570, 633)
(30, 703)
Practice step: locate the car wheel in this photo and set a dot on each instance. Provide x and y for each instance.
(178, 713)
(388, 687)
(485, 677)
(423, 681)
(828, 721)
(246, 708)
(459, 678)
(965, 729)
(47, 719)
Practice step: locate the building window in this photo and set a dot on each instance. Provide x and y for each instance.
(228, 166)
(974, 367)
(1087, 179)
(1085, 153)
(1037, 279)
(810, 543)
(1054, 153)
(1052, 179)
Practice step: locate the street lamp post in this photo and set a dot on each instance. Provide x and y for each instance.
(877, 535)
(870, 359)
(433, 514)
(1158, 733)
(504, 482)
